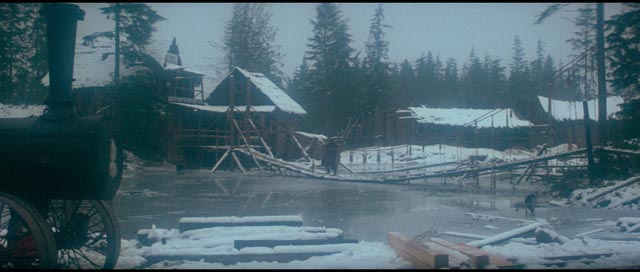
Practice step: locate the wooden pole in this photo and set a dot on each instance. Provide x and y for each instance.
(248, 96)
(603, 130)
(247, 145)
(506, 235)
(304, 153)
(235, 158)
(587, 131)
(264, 144)
(231, 113)
(215, 167)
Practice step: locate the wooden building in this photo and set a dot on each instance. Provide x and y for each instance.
(244, 109)
(567, 119)
(487, 128)
(93, 75)
(183, 84)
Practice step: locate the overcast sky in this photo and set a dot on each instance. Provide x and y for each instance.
(447, 29)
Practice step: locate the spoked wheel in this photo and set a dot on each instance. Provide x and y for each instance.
(86, 233)
(25, 238)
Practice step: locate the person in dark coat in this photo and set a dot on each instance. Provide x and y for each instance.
(332, 156)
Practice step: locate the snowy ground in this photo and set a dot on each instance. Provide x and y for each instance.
(152, 194)
(20, 111)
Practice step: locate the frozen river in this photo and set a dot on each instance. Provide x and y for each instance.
(363, 211)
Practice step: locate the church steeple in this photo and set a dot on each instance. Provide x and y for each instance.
(173, 54)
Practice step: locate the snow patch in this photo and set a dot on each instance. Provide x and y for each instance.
(20, 111)
(485, 118)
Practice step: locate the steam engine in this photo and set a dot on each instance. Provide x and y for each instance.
(60, 155)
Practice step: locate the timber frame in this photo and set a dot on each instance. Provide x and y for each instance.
(236, 115)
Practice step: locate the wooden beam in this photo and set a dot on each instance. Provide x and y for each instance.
(235, 158)
(489, 217)
(215, 167)
(345, 167)
(479, 258)
(456, 259)
(580, 256)
(617, 151)
(625, 183)
(247, 144)
(465, 235)
(531, 168)
(304, 153)
(493, 167)
(191, 225)
(266, 147)
(419, 255)
(228, 259)
(239, 244)
(506, 235)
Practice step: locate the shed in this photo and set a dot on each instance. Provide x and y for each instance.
(568, 118)
(491, 128)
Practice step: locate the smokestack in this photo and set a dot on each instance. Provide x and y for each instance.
(62, 21)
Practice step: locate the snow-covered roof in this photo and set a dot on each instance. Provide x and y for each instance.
(223, 109)
(275, 94)
(20, 111)
(94, 65)
(171, 67)
(572, 110)
(485, 118)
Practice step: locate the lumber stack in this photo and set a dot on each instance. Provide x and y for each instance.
(438, 253)
(231, 240)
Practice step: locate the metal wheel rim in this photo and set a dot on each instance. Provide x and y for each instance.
(86, 232)
(35, 235)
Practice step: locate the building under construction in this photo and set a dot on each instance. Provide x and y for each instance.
(245, 110)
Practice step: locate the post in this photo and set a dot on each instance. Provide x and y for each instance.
(248, 97)
(587, 132)
(230, 116)
(603, 130)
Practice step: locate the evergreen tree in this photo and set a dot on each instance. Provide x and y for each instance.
(453, 96)
(624, 52)
(519, 74)
(401, 94)
(23, 56)
(536, 67)
(438, 91)
(583, 44)
(474, 81)
(143, 113)
(624, 56)
(299, 88)
(377, 73)
(330, 70)
(249, 42)
(134, 26)
(496, 83)
(426, 79)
